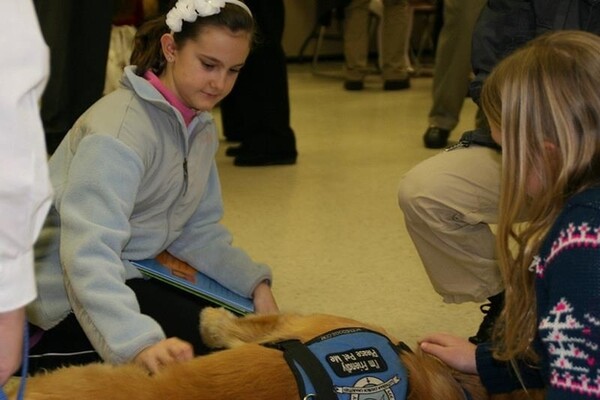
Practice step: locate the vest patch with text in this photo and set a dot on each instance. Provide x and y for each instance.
(360, 364)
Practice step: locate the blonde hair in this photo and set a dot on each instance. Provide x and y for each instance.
(545, 99)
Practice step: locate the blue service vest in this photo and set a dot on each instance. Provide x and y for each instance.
(347, 364)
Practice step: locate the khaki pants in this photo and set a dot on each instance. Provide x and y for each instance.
(452, 73)
(393, 38)
(449, 202)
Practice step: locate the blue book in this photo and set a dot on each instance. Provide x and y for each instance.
(197, 283)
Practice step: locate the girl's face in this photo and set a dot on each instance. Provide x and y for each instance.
(496, 134)
(202, 72)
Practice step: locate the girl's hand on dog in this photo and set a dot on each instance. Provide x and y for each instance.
(457, 352)
(167, 351)
(263, 299)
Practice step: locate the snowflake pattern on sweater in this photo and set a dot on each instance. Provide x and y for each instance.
(573, 236)
(572, 365)
(569, 335)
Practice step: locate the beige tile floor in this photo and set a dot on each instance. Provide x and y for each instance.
(330, 226)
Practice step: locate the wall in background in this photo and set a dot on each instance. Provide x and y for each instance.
(300, 18)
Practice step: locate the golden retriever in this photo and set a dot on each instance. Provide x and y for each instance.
(245, 369)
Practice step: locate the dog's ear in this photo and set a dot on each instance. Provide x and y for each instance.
(471, 383)
(429, 378)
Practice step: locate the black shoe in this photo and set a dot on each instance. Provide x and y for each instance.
(436, 138)
(490, 311)
(354, 85)
(259, 160)
(396, 84)
(233, 151)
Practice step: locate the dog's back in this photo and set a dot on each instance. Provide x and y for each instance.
(247, 370)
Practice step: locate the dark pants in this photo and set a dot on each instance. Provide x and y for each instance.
(257, 111)
(78, 34)
(175, 310)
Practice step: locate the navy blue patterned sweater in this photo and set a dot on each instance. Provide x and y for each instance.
(568, 306)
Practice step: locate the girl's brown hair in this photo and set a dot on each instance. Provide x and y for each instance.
(545, 100)
(147, 52)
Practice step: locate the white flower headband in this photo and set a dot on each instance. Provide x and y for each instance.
(189, 10)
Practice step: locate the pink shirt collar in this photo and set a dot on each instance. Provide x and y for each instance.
(187, 113)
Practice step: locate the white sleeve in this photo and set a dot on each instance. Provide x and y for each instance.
(25, 190)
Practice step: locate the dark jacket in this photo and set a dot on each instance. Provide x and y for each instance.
(505, 25)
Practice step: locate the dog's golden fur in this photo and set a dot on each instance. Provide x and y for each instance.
(245, 370)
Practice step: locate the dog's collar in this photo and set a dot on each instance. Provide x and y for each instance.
(353, 361)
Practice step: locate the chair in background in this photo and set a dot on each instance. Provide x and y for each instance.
(322, 31)
(330, 26)
(425, 11)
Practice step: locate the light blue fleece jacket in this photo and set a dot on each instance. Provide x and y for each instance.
(130, 182)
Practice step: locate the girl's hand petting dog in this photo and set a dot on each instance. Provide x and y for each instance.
(263, 299)
(167, 351)
(455, 351)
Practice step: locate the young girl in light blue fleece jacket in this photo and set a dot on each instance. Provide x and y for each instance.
(136, 176)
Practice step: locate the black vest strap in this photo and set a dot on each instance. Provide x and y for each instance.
(402, 347)
(294, 352)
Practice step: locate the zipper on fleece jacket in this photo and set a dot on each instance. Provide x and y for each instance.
(185, 175)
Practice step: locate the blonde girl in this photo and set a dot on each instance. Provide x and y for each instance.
(543, 105)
